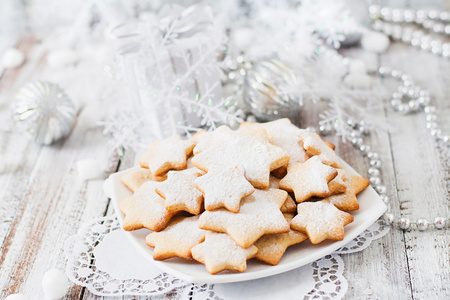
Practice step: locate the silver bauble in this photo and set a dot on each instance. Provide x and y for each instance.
(265, 89)
(44, 111)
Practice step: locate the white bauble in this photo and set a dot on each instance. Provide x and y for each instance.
(12, 58)
(55, 284)
(374, 41)
(89, 169)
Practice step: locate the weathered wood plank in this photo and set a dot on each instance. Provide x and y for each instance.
(51, 209)
(421, 174)
(18, 154)
(53, 204)
(381, 270)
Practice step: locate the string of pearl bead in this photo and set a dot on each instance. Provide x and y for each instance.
(418, 100)
(434, 21)
(400, 15)
(357, 132)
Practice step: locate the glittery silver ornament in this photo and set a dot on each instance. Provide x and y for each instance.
(44, 111)
(265, 93)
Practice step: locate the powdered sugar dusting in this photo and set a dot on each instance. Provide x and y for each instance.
(224, 187)
(148, 210)
(184, 230)
(133, 180)
(321, 220)
(219, 252)
(167, 154)
(271, 247)
(347, 201)
(259, 214)
(284, 134)
(316, 146)
(180, 192)
(308, 179)
(339, 179)
(228, 148)
(178, 238)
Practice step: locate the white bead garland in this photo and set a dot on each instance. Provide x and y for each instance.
(386, 20)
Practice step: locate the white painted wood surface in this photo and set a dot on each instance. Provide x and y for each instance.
(43, 202)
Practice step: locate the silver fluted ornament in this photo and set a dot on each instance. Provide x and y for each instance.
(271, 90)
(44, 111)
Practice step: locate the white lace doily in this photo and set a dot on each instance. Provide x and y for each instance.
(100, 258)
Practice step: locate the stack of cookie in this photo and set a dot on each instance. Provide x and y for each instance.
(226, 196)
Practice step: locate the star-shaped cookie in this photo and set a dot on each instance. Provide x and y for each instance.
(259, 214)
(177, 239)
(308, 179)
(254, 153)
(271, 247)
(224, 187)
(312, 143)
(135, 178)
(180, 192)
(281, 133)
(219, 252)
(321, 221)
(289, 206)
(347, 201)
(168, 154)
(145, 209)
(337, 185)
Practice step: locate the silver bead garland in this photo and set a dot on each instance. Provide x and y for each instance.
(392, 23)
(417, 99)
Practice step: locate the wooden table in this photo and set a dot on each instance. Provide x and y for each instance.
(43, 201)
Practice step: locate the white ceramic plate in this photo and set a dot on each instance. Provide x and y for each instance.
(371, 208)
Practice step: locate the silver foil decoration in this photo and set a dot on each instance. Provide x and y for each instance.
(44, 111)
(271, 90)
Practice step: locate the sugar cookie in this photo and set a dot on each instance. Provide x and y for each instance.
(177, 239)
(224, 187)
(259, 214)
(179, 191)
(308, 179)
(219, 252)
(289, 206)
(337, 185)
(271, 247)
(145, 209)
(254, 153)
(134, 179)
(281, 133)
(347, 201)
(312, 143)
(321, 221)
(168, 154)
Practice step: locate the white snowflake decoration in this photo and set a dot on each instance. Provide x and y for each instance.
(173, 76)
